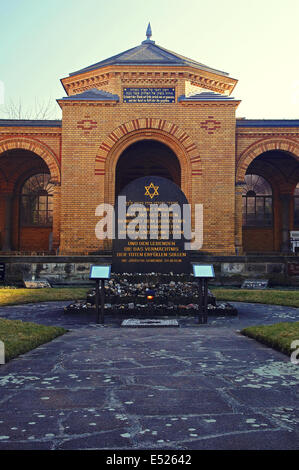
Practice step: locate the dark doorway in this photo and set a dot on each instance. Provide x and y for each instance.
(147, 158)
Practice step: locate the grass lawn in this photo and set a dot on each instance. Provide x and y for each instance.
(25, 296)
(20, 337)
(289, 298)
(279, 336)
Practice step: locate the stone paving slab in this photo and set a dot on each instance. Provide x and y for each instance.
(262, 440)
(192, 428)
(107, 387)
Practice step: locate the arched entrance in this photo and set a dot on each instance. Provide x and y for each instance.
(146, 158)
(268, 201)
(26, 193)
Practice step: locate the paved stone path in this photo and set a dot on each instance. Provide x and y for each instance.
(193, 387)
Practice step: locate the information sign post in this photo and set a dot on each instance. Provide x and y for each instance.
(203, 272)
(99, 274)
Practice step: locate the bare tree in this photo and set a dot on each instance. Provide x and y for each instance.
(40, 110)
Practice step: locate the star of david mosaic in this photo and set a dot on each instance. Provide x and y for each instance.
(151, 190)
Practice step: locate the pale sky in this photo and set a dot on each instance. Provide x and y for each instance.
(255, 41)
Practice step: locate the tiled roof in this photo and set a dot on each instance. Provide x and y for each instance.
(92, 95)
(29, 123)
(267, 122)
(206, 96)
(149, 53)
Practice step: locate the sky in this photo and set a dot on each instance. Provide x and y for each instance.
(255, 41)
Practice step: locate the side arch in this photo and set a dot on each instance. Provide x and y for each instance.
(264, 145)
(147, 129)
(40, 149)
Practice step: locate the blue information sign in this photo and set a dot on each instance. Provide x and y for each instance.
(100, 272)
(149, 95)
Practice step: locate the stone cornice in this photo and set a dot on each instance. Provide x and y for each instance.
(210, 103)
(269, 132)
(63, 103)
(98, 83)
(145, 74)
(21, 131)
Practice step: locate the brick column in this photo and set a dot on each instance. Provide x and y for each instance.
(285, 222)
(239, 218)
(56, 218)
(8, 222)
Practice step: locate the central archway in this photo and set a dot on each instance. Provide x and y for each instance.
(146, 129)
(146, 158)
(118, 149)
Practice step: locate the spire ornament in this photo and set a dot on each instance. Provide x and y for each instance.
(149, 32)
(148, 35)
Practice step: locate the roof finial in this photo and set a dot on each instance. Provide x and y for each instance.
(148, 35)
(148, 32)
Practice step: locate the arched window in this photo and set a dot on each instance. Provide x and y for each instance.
(257, 202)
(37, 201)
(296, 206)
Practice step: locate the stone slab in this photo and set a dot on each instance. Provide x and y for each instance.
(149, 323)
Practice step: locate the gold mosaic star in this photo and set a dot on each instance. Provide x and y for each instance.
(151, 194)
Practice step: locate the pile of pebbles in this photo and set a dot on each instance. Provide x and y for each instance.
(173, 295)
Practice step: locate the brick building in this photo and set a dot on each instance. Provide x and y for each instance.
(148, 111)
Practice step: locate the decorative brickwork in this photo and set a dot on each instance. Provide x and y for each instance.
(210, 125)
(148, 123)
(162, 130)
(87, 124)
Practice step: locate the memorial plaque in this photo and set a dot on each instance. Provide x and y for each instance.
(149, 323)
(293, 269)
(2, 272)
(255, 284)
(158, 244)
(149, 95)
(36, 284)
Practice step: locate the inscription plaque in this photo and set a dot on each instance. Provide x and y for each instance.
(149, 95)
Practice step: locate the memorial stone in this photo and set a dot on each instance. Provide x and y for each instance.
(159, 243)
